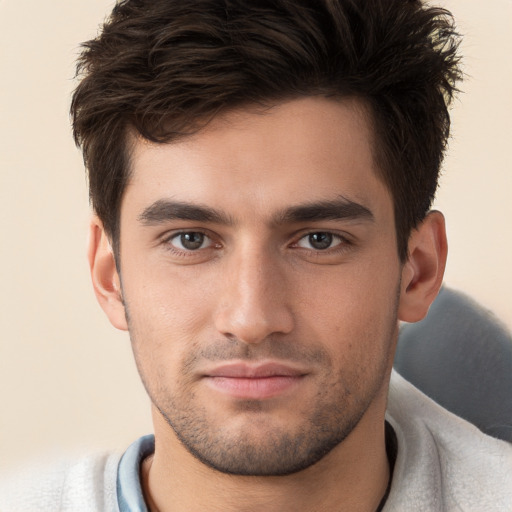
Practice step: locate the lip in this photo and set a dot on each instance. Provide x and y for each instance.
(254, 382)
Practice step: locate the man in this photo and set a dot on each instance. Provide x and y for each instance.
(261, 175)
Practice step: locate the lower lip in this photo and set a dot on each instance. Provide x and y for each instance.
(254, 388)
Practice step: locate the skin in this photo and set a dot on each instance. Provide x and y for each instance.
(224, 262)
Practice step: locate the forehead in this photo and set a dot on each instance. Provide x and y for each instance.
(253, 161)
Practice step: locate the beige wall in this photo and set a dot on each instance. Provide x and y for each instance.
(67, 378)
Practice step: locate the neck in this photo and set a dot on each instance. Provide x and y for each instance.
(352, 477)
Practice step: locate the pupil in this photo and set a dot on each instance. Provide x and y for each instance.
(192, 240)
(320, 240)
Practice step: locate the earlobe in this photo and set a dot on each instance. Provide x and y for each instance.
(104, 275)
(422, 274)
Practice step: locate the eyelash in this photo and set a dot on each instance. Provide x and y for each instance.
(344, 243)
(166, 241)
(341, 240)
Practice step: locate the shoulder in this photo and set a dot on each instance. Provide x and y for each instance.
(444, 463)
(88, 483)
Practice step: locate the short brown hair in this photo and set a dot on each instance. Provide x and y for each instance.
(163, 67)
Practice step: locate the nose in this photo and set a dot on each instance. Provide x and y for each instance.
(254, 301)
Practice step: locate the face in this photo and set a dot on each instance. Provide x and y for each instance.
(260, 278)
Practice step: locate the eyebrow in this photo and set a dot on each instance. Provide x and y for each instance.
(164, 210)
(338, 209)
(341, 208)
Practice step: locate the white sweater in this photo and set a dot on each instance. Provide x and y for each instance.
(443, 464)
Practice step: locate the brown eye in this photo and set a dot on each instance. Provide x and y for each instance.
(319, 241)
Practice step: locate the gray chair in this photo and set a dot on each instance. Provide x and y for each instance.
(460, 355)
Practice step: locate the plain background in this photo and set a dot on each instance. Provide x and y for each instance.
(67, 379)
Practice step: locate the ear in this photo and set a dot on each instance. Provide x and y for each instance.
(422, 274)
(104, 275)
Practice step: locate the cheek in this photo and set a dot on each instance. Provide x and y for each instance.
(166, 298)
(352, 308)
(165, 322)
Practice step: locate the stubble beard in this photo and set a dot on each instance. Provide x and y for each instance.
(338, 407)
(262, 448)
(271, 452)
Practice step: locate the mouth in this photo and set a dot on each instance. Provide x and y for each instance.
(254, 382)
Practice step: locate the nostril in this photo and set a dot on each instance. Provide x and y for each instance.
(250, 324)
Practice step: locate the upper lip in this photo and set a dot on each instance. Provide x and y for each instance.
(254, 371)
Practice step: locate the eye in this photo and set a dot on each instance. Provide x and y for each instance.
(190, 241)
(319, 241)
